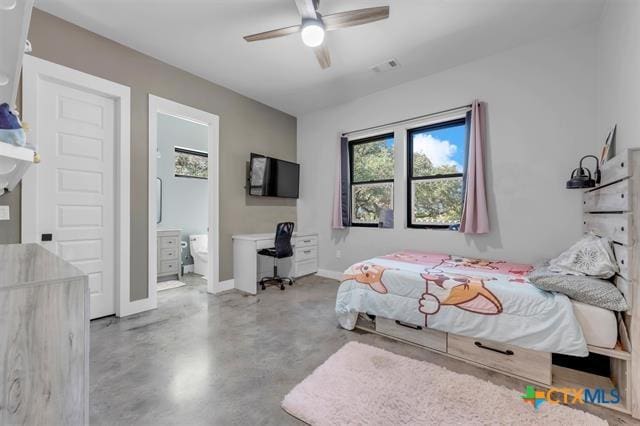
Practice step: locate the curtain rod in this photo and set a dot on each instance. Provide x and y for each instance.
(393, 123)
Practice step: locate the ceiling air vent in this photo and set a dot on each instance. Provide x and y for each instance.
(385, 66)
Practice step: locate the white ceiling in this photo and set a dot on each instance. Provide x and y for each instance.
(426, 36)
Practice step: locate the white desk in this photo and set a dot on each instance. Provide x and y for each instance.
(249, 267)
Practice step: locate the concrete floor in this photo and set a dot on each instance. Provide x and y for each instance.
(230, 359)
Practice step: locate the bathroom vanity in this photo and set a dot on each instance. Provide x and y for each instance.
(169, 253)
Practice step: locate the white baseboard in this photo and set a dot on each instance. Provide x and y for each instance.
(227, 285)
(334, 275)
(137, 306)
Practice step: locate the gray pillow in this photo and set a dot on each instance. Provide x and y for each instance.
(585, 289)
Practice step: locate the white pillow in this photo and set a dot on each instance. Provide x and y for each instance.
(591, 256)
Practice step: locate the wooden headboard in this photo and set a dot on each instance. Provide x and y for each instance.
(609, 211)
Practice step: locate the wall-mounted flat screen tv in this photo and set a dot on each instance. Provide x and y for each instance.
(270, 177)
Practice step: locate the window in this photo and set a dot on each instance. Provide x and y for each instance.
(372, 172)
(435, 169)
(191, 163)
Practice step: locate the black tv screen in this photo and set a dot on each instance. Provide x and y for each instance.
(270, 177)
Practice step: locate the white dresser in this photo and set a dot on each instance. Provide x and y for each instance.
(169, 253)
(249, 267)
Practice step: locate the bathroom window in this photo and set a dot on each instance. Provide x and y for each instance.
(191, 163)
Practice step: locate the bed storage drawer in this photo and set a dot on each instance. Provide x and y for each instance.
(419, 335)
(524, 363)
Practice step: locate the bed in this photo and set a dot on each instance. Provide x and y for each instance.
(467, 297)
(401, 296)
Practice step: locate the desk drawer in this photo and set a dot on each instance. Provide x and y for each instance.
(168, 267)
(168, 254)
(306, 253)
(263, 244)
(510, 359)
(309, 241)
(419, 335)
(168, 242)
(306, 267)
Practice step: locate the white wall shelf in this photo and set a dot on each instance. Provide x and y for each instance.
(14, 163)
(15, 16)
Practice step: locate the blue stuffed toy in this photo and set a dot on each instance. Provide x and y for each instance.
(11, 130)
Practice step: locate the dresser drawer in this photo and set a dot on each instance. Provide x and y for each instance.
(168, 242)
(306, 253)
(510, 359)
(306, 267)
(309, 241)
(168, 267)
(417, 334)
(168, 254)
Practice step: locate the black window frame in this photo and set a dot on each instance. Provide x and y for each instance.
(183, 150)
(352, 143)
(411, 178)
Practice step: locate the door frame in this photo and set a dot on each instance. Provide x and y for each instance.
(34, 70)
(165, 106)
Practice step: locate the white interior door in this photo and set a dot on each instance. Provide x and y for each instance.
(75, 184)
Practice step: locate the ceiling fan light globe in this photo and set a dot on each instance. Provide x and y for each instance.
(312, 34)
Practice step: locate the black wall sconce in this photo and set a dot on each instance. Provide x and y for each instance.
(582, 178)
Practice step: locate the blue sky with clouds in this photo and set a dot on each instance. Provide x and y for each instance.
(443, 146)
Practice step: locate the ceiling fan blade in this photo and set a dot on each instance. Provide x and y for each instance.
(355, 17)
(307, 9)
(280, 32)
(323, 56)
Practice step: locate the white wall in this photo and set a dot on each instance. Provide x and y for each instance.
(619, 73)
(541, 119)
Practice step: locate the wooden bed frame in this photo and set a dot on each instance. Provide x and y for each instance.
(608, 211)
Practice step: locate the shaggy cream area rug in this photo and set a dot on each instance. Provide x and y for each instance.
(364, 385)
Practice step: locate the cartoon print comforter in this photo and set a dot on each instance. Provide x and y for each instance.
(470, 297)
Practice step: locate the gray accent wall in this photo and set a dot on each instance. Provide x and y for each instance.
(245, 126)
(184, 200)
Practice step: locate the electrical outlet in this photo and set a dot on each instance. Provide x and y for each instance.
(4, 213)
(338, 254)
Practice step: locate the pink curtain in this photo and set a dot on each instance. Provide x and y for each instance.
(336, 217)
(475, 218)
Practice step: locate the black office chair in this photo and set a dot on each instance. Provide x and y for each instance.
(282, 249)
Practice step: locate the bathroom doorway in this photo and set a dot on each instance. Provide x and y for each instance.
(183, 197)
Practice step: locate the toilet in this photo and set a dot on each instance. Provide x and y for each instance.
(199, 246)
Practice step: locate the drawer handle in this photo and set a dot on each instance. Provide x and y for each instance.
(404, 324)
(306, 241)
(481, 346)
(307, 251)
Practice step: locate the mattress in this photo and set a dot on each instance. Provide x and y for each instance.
(599, 326)
(469, 297)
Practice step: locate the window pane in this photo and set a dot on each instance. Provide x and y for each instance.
(373, 160)
(367, 199)
(191, 165)
(436, 201)
(439, 151)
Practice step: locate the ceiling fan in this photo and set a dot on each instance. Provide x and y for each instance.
(314, 25)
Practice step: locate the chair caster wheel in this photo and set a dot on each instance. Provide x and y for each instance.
(281, 286)
(290, 282)
(263, 287)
